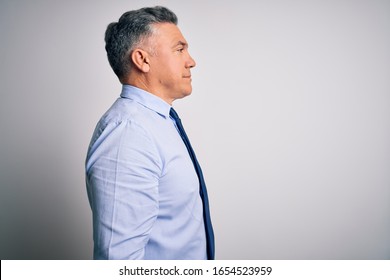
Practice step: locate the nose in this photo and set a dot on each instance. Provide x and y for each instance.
(190, 63)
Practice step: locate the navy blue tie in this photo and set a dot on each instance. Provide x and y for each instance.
(202, 187)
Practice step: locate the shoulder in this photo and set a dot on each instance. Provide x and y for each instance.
(123, 129)
(122, 110)
(123, 117)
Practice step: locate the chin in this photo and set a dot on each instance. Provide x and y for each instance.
(187, 93)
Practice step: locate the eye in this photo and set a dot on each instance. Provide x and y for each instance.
(181, 50)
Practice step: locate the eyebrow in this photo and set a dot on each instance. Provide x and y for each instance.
(181, 43)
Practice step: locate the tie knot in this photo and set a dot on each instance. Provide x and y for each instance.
(174, 115)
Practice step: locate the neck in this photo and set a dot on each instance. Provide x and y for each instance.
(141, 81)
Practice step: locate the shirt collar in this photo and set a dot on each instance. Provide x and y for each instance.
(146, 99)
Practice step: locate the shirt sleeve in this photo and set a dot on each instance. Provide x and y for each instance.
(123, 170)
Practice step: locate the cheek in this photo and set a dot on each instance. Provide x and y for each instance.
(175, 66)
(170, 69)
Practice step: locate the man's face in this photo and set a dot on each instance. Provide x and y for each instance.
(171, 63)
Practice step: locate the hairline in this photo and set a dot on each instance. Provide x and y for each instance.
(145, 41)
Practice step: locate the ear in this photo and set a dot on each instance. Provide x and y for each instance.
(141, 60)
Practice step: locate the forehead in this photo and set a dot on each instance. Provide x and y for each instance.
(168, 33)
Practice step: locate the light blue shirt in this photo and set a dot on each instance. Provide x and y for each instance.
(142, 185)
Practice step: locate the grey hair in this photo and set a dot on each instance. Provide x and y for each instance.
(124, 36)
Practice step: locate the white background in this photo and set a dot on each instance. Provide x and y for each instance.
(289, 116)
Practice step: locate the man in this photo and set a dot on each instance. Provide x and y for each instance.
(144, 184)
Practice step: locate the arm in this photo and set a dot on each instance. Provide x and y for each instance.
(123, 168)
